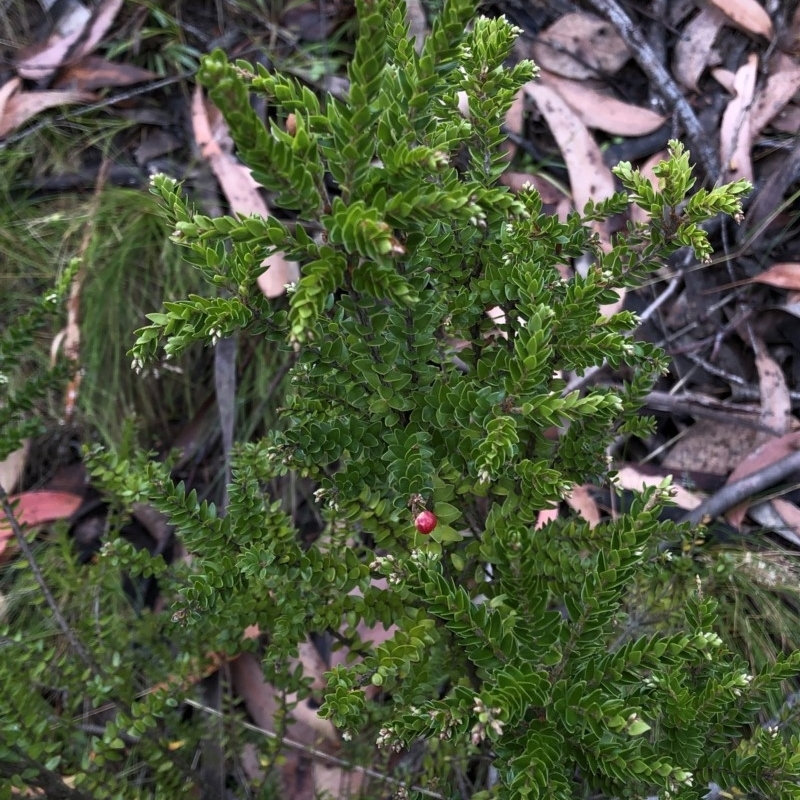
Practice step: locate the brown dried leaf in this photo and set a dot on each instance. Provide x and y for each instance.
(735, 133)
(7, 91)
(516, 181)
(590, 178)
(515, 117)
(630, 478)
(637, 213)
(776, 403)
(780, 87)
(12, 467)
(580, 46)
(725, 78)
(580, 500)
(694, 49)
(23, 106)
(596, 109)
(544, 516)
(93, 72)
(747, 15)
(238, 186)
(711, 446)
(783, 275)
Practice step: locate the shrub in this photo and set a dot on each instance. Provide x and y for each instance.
(511, 652)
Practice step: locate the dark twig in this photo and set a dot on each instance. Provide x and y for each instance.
(662, 81)
(733, 493)
(79, 649)
(47, 780)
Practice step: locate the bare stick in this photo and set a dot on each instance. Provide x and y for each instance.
(662, 81)
(733, 493)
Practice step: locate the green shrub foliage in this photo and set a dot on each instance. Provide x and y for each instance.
(512, 645)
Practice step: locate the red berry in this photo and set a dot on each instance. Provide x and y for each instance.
(426, 521)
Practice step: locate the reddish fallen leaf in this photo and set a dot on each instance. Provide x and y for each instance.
(36, 508)
(597, 109)
(747, 15)
(544, 516)
(783, 275)
(238, 186)
(580, 46)
(26, 105)
(580, 500)
(736, 136)
(694, 50)
(93, 72)
(780, 87)
(629, 477)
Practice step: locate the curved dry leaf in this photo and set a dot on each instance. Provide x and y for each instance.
(12, 467)
(747, 15)
(23, 106)
(7, 91)
(589, 177)
(725, 78)
(545, 516)
(514, 121)
(37, 508)
(776, 403)
(735, 133)
(694, 49)
(516, 181)
(93, 72)
(580, 500)
(580, 46)
(780, 87)
(630, 478)
(599, 110)
(238, 186)
(637, 213)
(783, 275)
